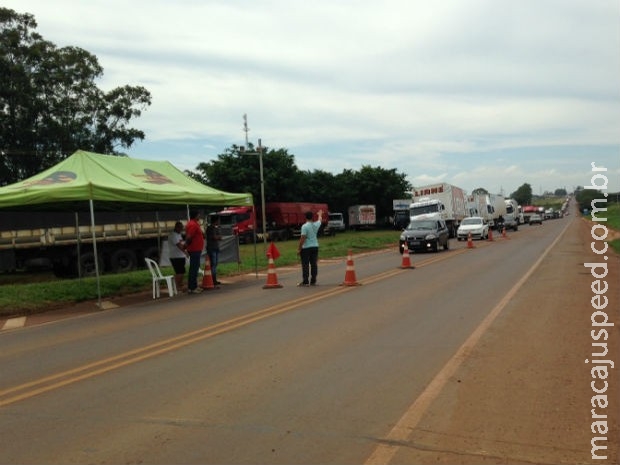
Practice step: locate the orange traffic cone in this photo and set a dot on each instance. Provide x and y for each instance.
(207, 277)
(490, 234)
(470, 242)
(406, 263)
(504, 235)
(272, 278)
(349, 276)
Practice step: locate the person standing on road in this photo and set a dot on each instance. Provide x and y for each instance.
(178, 254)
(194, 244)
(309, 248)
(213, 246)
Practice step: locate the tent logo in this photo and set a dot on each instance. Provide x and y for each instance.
(57, 177)
(153, 177)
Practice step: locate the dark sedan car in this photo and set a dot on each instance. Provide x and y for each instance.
(428, 234)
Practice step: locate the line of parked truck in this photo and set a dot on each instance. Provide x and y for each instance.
(452, 204)
(63, 240)
(436, 211)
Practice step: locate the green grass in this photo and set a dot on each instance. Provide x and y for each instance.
(50, 292)
(613, 222)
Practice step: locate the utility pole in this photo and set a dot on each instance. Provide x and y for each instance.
(246, 129)
(259, 152)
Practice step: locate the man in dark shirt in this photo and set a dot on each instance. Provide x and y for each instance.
(213, 246)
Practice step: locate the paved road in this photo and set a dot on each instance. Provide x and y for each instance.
(451, 362)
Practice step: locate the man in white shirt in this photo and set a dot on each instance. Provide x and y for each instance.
(178, 254)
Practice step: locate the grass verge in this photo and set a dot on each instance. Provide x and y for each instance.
(51, 293)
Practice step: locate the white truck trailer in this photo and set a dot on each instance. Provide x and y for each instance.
(443, 201)
(362, 217)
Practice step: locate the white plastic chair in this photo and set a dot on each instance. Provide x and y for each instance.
(158, 278)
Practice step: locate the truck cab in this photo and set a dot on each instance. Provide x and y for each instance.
(335, 222)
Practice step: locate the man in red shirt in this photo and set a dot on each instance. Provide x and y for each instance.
(194, 244)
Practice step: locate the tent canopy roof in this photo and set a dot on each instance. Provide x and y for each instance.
(107, 178)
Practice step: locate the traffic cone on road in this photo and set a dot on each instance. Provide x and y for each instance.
(207, 277)
(504, 235)
(490, 234)
(272, 278)
(349, 276)
(406, 263)
(470, 242)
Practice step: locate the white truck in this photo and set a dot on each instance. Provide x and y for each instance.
(443, 201)
(498, 214)
(512, 216)
(362, 216)
(491, 207)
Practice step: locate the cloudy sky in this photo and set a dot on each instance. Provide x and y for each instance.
(477, 93)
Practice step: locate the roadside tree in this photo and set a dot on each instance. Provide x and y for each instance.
(50, 105)
(523, 195)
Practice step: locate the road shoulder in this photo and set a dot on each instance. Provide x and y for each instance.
(524, 395)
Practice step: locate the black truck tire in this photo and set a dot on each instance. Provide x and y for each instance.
(123, 260)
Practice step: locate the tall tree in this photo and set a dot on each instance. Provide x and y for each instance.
(238, 170)
(50, 105)
(523, 195)
(379, 186)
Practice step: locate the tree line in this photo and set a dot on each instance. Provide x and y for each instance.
(237, 170)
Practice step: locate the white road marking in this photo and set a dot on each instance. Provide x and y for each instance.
(12, 323)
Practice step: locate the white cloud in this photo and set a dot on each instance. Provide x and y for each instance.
(479, 92)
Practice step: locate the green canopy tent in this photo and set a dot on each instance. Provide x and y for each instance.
(93, 177)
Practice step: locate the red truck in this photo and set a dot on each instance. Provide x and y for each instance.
(284, 220)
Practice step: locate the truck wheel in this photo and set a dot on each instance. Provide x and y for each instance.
(123, 260)
(87, 264)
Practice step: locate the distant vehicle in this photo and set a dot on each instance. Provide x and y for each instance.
(284, 220)
(535, 218)
(401, 213)
(335, 221)
(511, 218)
(492, 208)
(425, 235)
(362, 217)
(476, 226)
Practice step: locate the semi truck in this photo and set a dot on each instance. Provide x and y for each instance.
(63, 240)
(490, 207)
(512, 216)
(362, 217)
(443, 201)
(400, 216)
(284, 220)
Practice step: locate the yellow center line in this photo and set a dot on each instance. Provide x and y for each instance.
(55, 381)
(48, 383)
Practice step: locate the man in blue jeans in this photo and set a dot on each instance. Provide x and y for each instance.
(213, 246)
(309, 249)
(194, 244)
